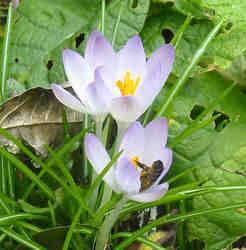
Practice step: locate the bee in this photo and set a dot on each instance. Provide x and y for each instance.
(150, 174)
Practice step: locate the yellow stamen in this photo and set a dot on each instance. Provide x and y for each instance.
(128, 86)
(134, 161)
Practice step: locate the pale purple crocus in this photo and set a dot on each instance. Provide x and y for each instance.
(142, 144)
(121, 83)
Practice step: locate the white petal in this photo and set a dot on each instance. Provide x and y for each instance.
(132, 142)
(131, 58)
(125, 108)
(155, 133)
(99, 51)
(99, 158)
(66, 98)
(98, 95)
(152, 194)
(127, 176)
(159, 67)
(78, 72)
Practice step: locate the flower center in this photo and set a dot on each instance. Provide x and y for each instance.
(134, 161)
(128, 86)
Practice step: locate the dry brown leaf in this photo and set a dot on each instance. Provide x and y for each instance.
(35, 117)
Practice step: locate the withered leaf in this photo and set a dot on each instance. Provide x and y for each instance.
(35, 117)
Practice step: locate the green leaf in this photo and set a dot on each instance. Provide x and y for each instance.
(218, 149)
(133, 15)
(39, 30)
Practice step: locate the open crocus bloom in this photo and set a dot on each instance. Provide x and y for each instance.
(122, 83)
(134, 173)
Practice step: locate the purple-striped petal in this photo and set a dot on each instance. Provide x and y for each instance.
(125, 108)
(127, 176)
(78, 71)
(155, 133)
(132, 142)
(99, 158)
(98, 95)
(99, 51)
(159, 67)
(131, 58)
(152, 194)
(67, 99)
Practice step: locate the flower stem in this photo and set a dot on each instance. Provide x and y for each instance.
(106, 227)
(182, 80)
(103, 16)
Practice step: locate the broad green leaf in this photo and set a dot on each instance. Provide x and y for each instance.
(132, 18)
(219, 149)
(40, 28)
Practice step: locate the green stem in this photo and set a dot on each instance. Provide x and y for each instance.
(52, 213)
(106, 227)
(171, 219)
(3, 175)
(11, 179)
(181, 195)
(23, 168)
(103, 16)
(20, 239)
(181, 227)
(5, 53)
(182, 80)
(72, 228)
(177, 38)
(117, 25)
(197, 124)
(153, 245)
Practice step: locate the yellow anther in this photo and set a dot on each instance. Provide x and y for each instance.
(134, 161)
(128, 86)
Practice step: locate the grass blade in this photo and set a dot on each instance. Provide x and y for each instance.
(5, 53)
(23, 168)
(19, 238)
(182, 80)
(171, 219)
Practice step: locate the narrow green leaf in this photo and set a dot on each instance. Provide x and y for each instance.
(182, 80)
(12, 219)
(153, 245)
(171, 219)
(23, 168)
(19, 238)
(5, 53)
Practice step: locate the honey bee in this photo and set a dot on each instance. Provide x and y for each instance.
(150, 174)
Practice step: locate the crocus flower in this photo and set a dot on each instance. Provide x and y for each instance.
(141, 147)
(121, 83)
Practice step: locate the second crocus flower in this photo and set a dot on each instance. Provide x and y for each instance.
(144, 162)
